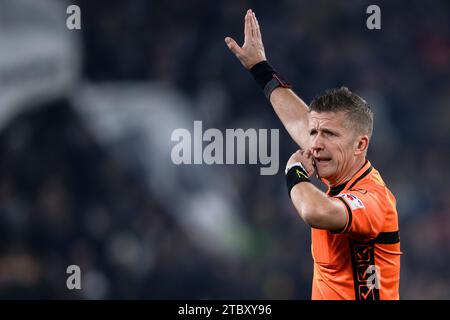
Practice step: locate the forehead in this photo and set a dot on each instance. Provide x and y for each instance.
(327, 119)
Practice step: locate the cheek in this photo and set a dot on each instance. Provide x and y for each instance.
(338, 151)
(340, 154)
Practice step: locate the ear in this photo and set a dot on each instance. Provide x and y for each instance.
(362, 143)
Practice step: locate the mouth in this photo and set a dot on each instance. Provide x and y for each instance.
(322, 161)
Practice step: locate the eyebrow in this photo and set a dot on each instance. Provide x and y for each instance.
(325, 130)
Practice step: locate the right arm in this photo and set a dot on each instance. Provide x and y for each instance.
(290, 109)
(293, 113)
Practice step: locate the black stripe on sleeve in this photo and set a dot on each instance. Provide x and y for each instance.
(388, 237)
(350, 216)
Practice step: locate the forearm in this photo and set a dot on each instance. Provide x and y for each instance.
(292, 112)
(317, 209)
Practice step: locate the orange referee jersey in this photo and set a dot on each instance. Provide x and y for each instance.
(362, 261)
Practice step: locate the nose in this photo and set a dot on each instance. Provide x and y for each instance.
(317, 144)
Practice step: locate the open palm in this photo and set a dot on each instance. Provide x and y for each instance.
(252, 51)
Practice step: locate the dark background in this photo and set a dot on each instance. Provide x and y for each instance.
(70, 197)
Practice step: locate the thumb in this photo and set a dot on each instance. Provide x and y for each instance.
(233, 46)
(308, 154)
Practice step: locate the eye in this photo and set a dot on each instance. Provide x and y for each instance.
(313, 132)
(329, 133)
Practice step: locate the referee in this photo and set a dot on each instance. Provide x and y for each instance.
(354, 225)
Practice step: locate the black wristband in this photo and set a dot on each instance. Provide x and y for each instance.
(294, 176)
(268, 78)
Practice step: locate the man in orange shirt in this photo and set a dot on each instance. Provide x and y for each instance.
(355, 233)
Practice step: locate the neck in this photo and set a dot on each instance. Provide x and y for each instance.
(348, 174)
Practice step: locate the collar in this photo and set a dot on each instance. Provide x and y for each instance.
(364, 171)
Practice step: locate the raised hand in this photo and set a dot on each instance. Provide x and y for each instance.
(252, 51)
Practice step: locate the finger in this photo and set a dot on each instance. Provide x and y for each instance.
(315, 169)
(233, 46)
(247, 26)
(311, 167)
(306, 160)
(252, 24)
(308, 154)
(256, 26)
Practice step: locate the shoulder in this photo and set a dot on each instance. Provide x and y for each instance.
(373, 185)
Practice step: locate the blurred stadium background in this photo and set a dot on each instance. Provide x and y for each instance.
(86, 118)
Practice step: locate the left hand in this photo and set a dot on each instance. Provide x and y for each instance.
(305, 157)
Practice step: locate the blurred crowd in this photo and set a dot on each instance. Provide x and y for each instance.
(65, 200)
